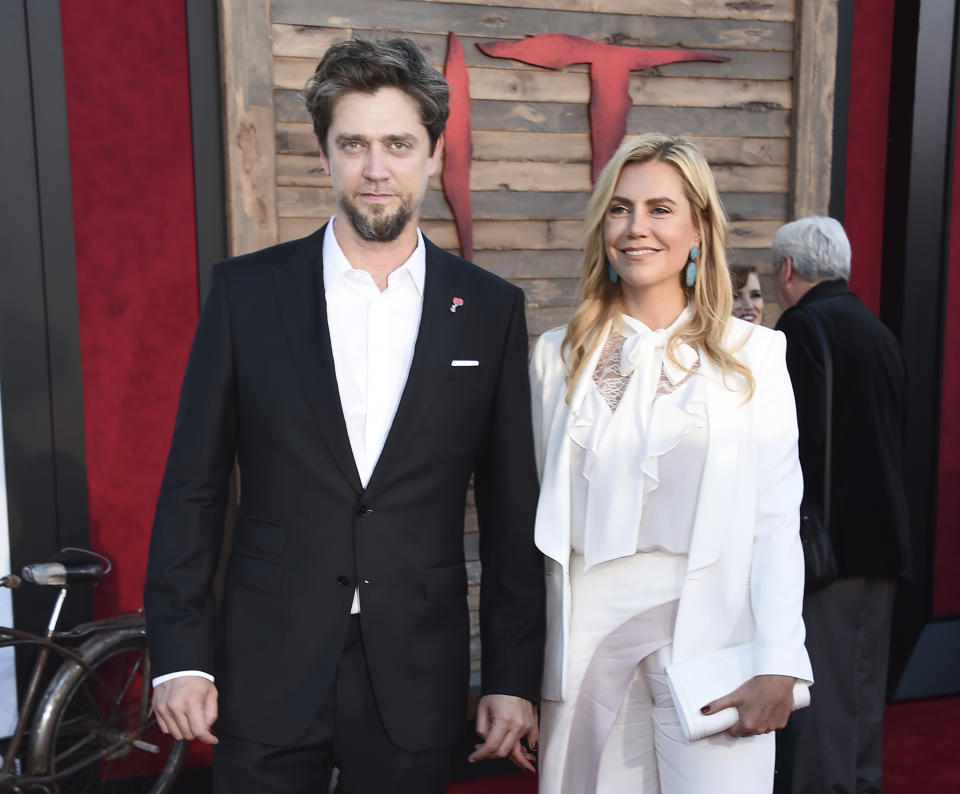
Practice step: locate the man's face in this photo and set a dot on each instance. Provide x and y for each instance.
(781, 289)
(378, 157)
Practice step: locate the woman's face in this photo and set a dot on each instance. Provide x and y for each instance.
(649, 228)
(748, 302)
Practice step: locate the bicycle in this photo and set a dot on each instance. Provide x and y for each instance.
(93, 727)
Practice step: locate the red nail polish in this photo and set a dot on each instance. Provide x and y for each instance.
(705, 710)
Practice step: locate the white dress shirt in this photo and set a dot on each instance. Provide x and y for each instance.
(372, 334)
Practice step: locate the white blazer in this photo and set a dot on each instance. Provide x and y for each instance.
(745, 568)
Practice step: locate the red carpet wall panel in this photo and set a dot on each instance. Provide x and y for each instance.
(870, 63)
(128, 107)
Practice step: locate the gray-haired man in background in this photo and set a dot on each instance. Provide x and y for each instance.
(838, 740)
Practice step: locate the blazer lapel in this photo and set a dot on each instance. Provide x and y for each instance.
(437, 339)
(303, 312)
(719, 470)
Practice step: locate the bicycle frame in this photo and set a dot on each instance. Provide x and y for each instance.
(51, 644)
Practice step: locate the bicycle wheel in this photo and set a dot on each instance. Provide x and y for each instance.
(95, 726)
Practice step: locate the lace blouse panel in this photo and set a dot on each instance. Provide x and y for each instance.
(611, 384)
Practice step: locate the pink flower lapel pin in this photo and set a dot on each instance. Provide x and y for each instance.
(457, 303)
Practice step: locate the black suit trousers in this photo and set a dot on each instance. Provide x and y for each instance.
(347, 734)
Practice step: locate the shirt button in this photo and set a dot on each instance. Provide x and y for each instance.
(343, 581)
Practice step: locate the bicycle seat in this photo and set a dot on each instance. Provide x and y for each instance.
(61, 574)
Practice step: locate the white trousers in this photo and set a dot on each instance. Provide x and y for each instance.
(618, 732)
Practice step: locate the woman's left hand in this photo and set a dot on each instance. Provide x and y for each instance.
(764, 704)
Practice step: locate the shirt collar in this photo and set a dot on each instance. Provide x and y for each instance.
(336, 264)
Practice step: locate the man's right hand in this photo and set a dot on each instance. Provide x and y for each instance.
(186, 707)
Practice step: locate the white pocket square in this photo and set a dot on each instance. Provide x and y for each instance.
(464, 362)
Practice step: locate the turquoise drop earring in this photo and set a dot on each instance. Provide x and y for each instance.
(690, 275)
(611, 273)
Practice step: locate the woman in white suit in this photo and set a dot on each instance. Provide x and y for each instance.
(670, 493)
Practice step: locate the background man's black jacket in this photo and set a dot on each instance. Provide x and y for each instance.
(869, 520)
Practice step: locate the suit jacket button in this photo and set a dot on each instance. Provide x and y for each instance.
(343, 581)
(364, 510)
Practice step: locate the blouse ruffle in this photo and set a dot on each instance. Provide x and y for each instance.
(622, 448)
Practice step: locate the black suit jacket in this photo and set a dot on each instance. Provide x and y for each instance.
(260, 388)
(868, 517)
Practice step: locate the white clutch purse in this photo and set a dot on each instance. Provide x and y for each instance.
(696, 682)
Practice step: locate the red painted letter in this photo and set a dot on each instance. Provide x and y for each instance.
(610, 68)
(458, 146)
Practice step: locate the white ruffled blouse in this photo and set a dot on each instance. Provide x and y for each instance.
(640, 442)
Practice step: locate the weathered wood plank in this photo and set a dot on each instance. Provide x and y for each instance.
(249, 144)
(749, 121)
(560, 86)
(543, 319)
(512, 23)
(551, 292)
(816, 66)
(300, 170)
(530, 264)
(563, 147)
(307, 41)
(546, 85)
(770, 10)
(751, 178)
(530, 176)
(755, 206)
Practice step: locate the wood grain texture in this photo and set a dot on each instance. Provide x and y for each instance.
(772, 10)
(506, 22)
(749, 121)
(545, 85)
(250, 137)
(814, 91)
(763, 120)
(305, 41)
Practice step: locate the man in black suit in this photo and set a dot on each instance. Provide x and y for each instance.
(358, 377)
(838, 740)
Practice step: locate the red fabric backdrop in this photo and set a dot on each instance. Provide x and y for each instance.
(128, 110)
(870, 59)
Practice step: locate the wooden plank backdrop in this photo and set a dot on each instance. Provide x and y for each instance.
(530, 176)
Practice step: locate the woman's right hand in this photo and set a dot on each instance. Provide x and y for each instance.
(764, 704)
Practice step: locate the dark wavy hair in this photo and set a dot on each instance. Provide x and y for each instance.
(367, 66)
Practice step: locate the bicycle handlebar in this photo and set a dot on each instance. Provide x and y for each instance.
(57, 573)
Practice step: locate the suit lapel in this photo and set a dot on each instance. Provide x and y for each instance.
(303, 312)
(437, 339)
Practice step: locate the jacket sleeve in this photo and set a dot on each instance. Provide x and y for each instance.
(505, 483)
(188, 524)
(805, 365)
(776, 579)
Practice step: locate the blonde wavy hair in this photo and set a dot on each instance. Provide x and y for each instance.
(711, 294)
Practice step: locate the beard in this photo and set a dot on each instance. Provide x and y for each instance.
(379, 226)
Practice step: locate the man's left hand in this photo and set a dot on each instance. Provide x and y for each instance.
(502, 721)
